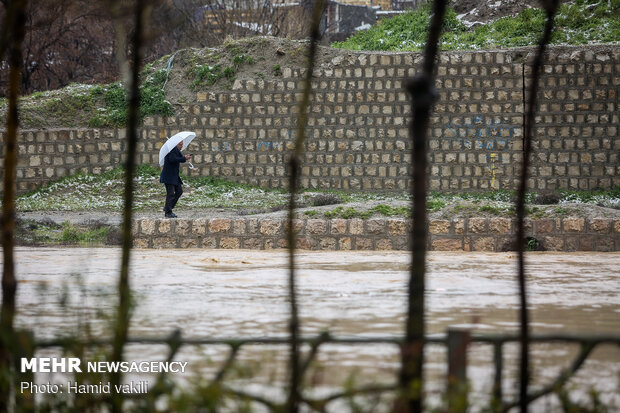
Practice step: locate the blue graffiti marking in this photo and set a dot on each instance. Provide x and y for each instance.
(481, 133)
(269, 145)
(224, 146)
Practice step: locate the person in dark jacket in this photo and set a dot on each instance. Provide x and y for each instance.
(171, 179)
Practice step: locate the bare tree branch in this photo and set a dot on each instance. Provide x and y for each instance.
(423, 95)
(294, 165)
(551, 7)
(9, 282)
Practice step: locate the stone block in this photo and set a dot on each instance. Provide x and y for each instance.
(140, 242)
(327, 243)
(571, 243)
(586, 243)
(605, 244)
(544, 226)
(447, 244)
(573, 224)
(218, 225)
(270, 227)
(303, 243)
(339, 226)
(600, 225)
(147, 226)
(189, 243)
(253, 243)
(356, 226)
(199, 227)
(499, 225)
(344, 244)
(163, 226)
(552, 243)
(363, 243)
(375, 226)
(459, 226)
(230, 243)
(164, 242)
(384, 244)
(182, 227)
(238, 227)
(253, 226)
(397, 227)
(484, 244)
(209, 242)
(439, 226)
(477, 225)
(316, 226)
(298, 226)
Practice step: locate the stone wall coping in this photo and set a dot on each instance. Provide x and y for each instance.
(389, 233)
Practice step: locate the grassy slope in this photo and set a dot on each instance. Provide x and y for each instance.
(105, 192)
(576, 23)
(580, 22)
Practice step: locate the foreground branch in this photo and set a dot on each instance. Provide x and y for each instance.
(423, 95)
(294, 165)
(550, 6)
(17, 14)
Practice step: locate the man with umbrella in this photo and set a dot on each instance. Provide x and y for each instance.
(170, 174)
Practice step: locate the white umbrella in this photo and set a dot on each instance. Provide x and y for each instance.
(186, 137)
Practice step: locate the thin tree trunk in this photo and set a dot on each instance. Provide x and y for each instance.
(423, 95)
(124, 291)
(550, 6)
(17, 15)
(292, 403)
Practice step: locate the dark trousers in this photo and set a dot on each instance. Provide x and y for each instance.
(173, 193)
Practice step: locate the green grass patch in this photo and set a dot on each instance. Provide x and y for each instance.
(578, 22)
(73, 234)
(334, 212)
(534, 212)
(351, 212)
(531, 244)
(391, 211)
(65, 233)
(499, 210)
(600, 197)
(208, 74)
(105, 192)
(83, 192)
(114, 111)
(434, 205)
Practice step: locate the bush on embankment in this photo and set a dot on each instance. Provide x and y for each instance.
(576, 23)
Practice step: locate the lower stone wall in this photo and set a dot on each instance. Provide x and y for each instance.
(467, 234)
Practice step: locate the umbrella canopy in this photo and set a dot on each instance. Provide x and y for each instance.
(185, 137)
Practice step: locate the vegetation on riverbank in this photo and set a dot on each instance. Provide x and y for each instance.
(47, 232)
(577, 22)
(165, 83)
(104, 192)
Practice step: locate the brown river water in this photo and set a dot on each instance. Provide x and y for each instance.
(219, 293)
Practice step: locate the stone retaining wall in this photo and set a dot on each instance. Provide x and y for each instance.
(357, 137)
(468, 234)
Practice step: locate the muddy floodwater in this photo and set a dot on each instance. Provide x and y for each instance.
(217, 293)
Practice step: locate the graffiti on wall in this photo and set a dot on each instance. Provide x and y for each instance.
(481, 133)
(220, 146)
(261, 146)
